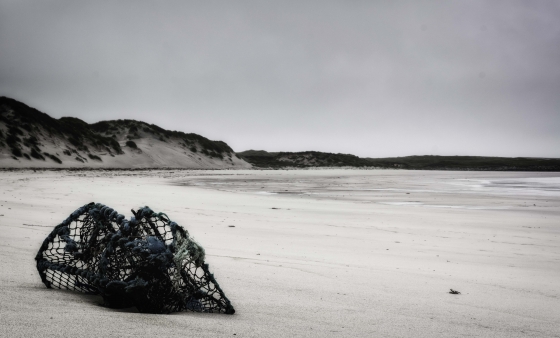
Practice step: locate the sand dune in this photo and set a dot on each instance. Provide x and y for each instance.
(326, 253)
(152, 153)
(32, 139)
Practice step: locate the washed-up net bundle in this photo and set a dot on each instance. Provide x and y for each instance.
(148, 262)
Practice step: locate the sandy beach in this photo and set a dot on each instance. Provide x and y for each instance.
(309, 253)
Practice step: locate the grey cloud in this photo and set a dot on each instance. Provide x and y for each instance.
(369, 78)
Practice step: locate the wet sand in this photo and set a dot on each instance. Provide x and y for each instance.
(312, 252)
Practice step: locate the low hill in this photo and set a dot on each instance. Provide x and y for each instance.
(253, 153)
(263, 159)
(429, 162)
(30, 138)
(304, 159)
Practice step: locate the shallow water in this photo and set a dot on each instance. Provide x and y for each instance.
(432, 189)
(545, 186)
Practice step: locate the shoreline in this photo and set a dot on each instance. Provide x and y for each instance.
(271, 169)
(331, 264)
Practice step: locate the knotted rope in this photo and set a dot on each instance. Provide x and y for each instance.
(148, 261)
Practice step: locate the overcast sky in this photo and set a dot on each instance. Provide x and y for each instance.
(371, 78)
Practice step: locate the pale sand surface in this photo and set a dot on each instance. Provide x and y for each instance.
(151, 153)
(346, 253)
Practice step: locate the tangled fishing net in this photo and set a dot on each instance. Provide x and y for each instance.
(148, 262)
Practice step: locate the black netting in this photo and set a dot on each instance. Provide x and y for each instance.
(148, 261)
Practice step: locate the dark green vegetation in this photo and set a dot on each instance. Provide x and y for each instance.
(38, 125)
(27, 130)
(254, 153)
(468, 163)
(263, 159)
(93, 157)
(54, 158)
(79, 134)
(37, 155)
(137, 129)
(131, 144)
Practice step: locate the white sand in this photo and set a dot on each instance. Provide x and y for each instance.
(346, 253)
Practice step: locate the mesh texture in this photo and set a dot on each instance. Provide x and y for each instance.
(148, 262)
